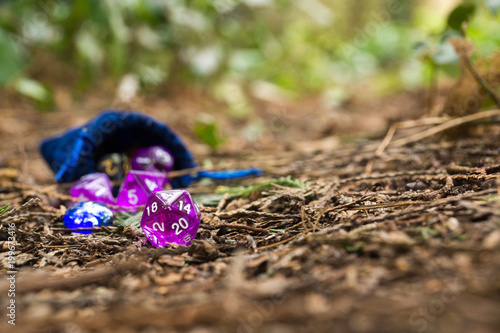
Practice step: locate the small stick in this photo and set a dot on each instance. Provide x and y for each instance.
(265, 247)
(60, 246)
(26, 205)
(407, 124)
(470, 67)
(233, 226)
(183, 172)
(447, 125)
(222, 203)
(84, 229)
(392, 130)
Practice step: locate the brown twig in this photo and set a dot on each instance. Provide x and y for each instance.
(183, 172)
(265, 247)
(26, 205)
(454, 169)
(406, 124)
(472, 69)
(445, 126)
(253, 213)
(86, 229)
(233, 226)
(222, 203)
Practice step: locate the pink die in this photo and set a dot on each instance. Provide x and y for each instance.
(93, 187)
(137, 187)
(170, 217)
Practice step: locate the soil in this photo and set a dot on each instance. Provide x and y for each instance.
(411, 246)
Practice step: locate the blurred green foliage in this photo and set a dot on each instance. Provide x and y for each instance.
(302, 46)
(4, 209)
(460, 14)
(207, 130)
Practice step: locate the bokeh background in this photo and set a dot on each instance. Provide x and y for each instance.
(240, 55)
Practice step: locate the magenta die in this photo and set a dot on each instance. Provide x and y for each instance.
(170, 217)
(154, 158)
(137, 187)
(93, 187)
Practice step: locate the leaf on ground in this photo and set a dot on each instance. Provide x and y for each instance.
(207, 199)
(246, 191)
(124, 219)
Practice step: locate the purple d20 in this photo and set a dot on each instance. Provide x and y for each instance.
(137, 187)
(93, 187)
(154, 158)
(170, 217)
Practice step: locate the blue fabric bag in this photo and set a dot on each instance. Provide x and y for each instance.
(74, 153)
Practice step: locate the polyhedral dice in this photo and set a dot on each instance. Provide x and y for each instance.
(137, 187)
(87, 214)
(170, 217)
(115, 165)
(154, 158)
(94, 187)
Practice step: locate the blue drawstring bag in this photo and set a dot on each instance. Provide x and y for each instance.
(75, 153)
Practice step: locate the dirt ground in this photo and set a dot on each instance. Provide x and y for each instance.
(412, 246)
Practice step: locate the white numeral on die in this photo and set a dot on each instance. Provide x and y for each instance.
(161, 227)
(132, 197)
(179, 226)
(187, 208)
(154, 208)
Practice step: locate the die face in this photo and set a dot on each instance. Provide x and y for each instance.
(93, 187)
(115, 165)
(170, 217)
(154, 158)
(137, 187)
(170, 227)
(175, 200)
(87, 214)
(163, 158)
(184, 205)
(169, 197)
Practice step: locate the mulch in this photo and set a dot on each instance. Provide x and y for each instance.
(414, 246)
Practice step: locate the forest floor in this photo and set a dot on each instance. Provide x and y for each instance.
(413, 245)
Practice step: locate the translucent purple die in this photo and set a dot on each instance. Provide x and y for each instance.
(154, 158)
(93, 187)
(137, 187)
(170, 217)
